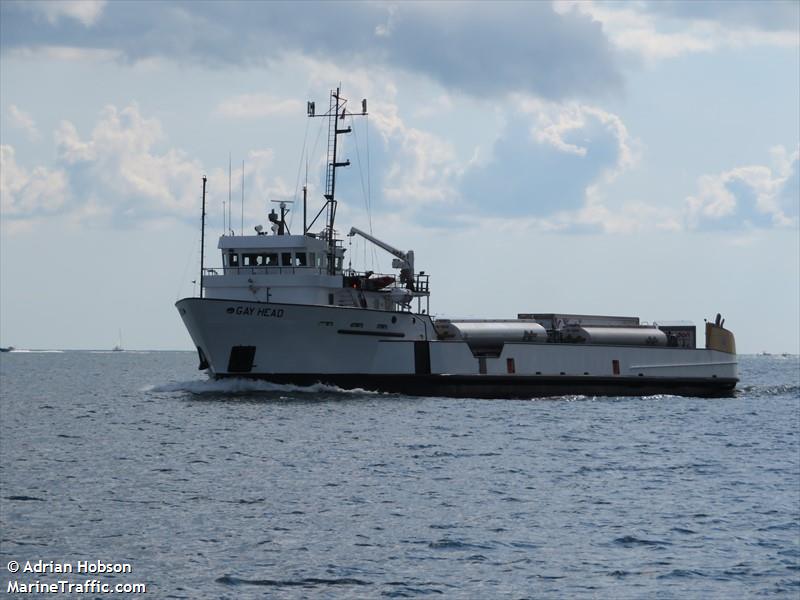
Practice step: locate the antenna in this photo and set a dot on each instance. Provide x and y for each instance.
(229, 191)
(242, 229)
(280, 227)
(305, 197)
(202, 236)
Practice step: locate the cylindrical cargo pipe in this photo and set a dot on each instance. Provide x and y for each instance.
(615, 336)
(490, 334)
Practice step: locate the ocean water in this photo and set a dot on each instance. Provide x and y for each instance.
(239, 490)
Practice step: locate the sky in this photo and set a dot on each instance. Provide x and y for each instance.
(636, 158)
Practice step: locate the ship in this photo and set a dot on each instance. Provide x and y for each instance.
(283, 307)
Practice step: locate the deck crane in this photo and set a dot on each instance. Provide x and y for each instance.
(403, 261)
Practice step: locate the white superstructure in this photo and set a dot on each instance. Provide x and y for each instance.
(282, 307)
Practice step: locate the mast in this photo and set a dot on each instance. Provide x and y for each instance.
(336, 112)
(202, 236)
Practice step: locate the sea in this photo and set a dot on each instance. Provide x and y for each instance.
(249, 490)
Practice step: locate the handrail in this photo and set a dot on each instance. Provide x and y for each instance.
(421, 280)
(263, 271)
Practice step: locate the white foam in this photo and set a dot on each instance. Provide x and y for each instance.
(237, 386)
(121, 352)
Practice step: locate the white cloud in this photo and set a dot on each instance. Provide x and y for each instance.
(117, 167)
(22, 120)
(30, 194)
(410, 167)
(422, 166)
(549, 165)
(86, 12)
(559, 124)
(117, 176)
(66, 53)
(69, 147)
(654, 32)
(748, 196)
(250, 106)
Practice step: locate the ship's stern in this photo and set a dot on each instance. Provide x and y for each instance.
(721, 340)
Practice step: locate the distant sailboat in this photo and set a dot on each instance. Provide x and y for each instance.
(118, 347)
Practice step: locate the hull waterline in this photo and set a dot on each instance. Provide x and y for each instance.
(498, 387)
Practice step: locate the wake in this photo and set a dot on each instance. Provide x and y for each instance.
(248, 386)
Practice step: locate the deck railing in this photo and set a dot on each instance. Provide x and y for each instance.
(220, 271)
(421, 280)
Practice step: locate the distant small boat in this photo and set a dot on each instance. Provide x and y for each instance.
(118, 347)
(9, 349)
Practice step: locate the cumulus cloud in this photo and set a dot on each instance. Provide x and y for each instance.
(23, 121)
(30, 194)
(118, 170)
(545, 170)
(663, 29)
(419, 168)
(117, 175)
(86, 12)
(752, 196)
(548, 158)
(479, 48)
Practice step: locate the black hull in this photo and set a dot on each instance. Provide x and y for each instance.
(497, 387)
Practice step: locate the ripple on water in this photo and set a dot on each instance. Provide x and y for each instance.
(629, 541)
(450, 544)
(309, 582)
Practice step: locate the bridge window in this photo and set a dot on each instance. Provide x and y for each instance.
(233, 259)
(272, 259)
(286, 259)
(300, 259)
